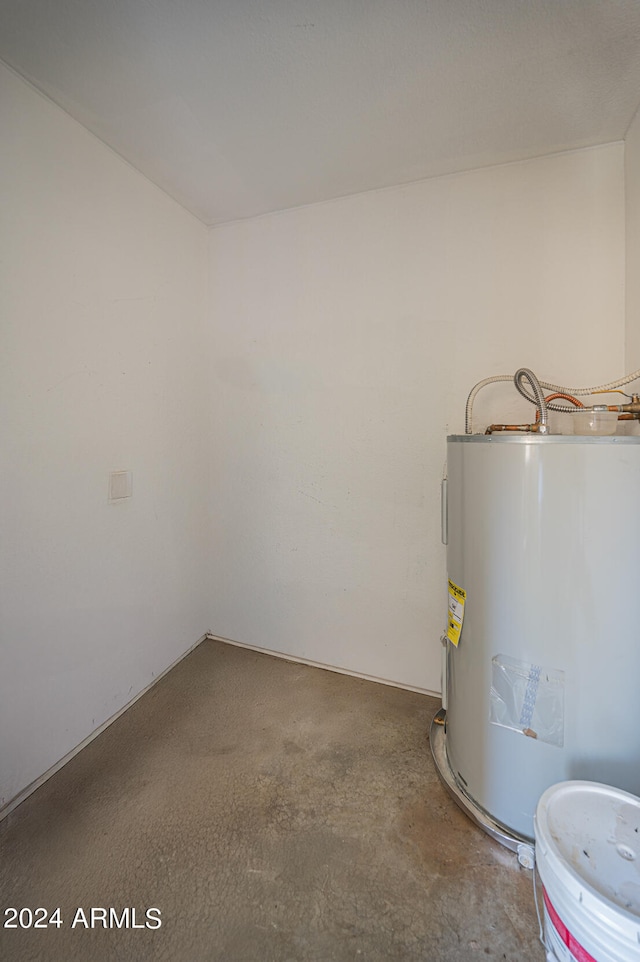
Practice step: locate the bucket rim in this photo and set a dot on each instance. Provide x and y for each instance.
(545, 840)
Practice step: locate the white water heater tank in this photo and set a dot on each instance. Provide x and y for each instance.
(543, 539)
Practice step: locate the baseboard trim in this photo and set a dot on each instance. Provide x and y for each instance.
(24, 794)
(318, 664)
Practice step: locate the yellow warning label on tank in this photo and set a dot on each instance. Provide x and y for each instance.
(457, 598)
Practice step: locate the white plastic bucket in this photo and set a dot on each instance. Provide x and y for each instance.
(588, 857)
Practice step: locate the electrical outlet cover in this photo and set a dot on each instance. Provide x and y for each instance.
(120, 485)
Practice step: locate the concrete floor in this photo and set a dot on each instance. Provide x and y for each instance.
(271, 812)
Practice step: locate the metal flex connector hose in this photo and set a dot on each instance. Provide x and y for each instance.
(547, 386)
(524, 374)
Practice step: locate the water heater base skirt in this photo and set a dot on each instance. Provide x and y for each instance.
(438, 741)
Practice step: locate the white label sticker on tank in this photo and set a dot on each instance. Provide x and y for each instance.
(457, 598)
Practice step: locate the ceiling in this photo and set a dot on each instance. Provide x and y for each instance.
(240, 107)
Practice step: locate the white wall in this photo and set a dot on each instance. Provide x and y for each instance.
(345, 338)
(632, 182)
(103, 285)
(340, 344)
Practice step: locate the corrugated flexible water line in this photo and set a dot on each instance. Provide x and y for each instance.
(548, 386)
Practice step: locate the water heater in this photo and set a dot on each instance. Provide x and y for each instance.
(542, 663)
